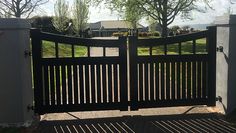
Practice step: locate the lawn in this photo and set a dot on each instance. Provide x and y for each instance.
(64, 50)
(81, 51)
(173, 49)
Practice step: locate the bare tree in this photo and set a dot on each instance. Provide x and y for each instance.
(19, 8)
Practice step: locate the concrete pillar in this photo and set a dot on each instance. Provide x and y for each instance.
(226, 63)
(16, 92)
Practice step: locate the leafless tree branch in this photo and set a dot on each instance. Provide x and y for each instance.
(19, 8)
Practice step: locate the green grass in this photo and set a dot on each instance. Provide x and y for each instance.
(81, 51)
(64, 50)
(172, 49)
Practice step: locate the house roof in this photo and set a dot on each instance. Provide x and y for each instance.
(112, 24)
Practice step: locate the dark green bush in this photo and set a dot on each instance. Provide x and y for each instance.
(156, 33)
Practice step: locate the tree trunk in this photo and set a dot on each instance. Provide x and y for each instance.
(164, 20)
(164, 29)
(17, 10)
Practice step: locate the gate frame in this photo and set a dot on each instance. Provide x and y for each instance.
(37, 37)
(211, 49)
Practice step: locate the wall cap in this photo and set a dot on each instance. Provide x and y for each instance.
(14, 23)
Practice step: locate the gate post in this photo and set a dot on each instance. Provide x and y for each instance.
(211, 40)
(37, 70)
(226, 63)
(133, 72)
(16, 93)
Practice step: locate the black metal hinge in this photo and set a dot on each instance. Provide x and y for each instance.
(30, 107)
(27, 53)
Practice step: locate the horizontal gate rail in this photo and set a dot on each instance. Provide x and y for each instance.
(64, 84)
(81, 61)
(169, 58)
(173, 80)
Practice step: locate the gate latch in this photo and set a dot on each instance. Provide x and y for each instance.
(27, 53)
(219, 99)
(220, 49)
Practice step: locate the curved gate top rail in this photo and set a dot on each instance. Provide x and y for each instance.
(156, 79)
(174, 39)
(77, 41)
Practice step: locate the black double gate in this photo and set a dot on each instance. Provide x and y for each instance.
(71, 83)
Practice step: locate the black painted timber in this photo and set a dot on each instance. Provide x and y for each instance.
(64, 84)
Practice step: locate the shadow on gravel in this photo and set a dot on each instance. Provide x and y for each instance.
(142, 124)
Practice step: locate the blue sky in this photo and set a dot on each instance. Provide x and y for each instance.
(98, 14)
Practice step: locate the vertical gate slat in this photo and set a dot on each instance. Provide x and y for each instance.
(98, 83)
(123, 73)
(115, 83)
(56, 49)
(109, 83)
(75, 75)
(93, 83)
(52, 85)
(63, 76)
(194, 78)
(180, 48)
(58, 85)
(167, 80)
(172, 80)
(162, 81)
(146, 81)
(184, 80)
(141, 81)
(208, 82)
(157, 81)
(194, 47)
(104, 85)
(69, 77)
(189, 91)
(199, 79)
(81, 82)
(87, 84)
(151, 81)
(204, 73)
(178, 80)
(46, 85)
(165, 49)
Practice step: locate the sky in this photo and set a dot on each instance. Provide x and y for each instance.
(102, 13)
